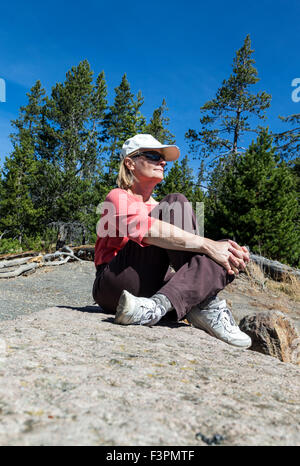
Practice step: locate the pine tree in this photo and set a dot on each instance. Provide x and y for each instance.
(180, 179)
(257, 203)
(198, 191)
(2, 226)
(92, 173)
(71, 119)
(98, 109)
(122, 121)
(19, 216)
(295, 169)
(158, 126)
(31, 117)
(288, 142)
(66, 151)
(70, 111)
(225, 119)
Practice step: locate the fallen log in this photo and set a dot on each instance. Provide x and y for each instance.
(31, 263)
(18, 255)
(58, 254)
(21, 269)
(12, 262)
(85, 252)
(276, 270)
(59, 262)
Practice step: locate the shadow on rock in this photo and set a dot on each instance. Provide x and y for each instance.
(90, 309)
(167, 321)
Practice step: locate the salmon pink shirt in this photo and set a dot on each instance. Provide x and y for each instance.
(124, 217)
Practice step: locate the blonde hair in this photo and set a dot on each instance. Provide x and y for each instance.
(125, 177)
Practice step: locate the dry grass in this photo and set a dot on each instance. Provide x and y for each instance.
(288, 286)
(256, 275)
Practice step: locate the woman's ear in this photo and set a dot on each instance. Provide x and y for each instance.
(129, 163)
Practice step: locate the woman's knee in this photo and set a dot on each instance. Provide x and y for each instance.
(173, 197)
(176, 210)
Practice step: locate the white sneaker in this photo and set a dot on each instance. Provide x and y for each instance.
(132, 310)
(218, 321)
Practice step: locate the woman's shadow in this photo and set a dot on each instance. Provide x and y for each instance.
(167, 320)
(92, 309)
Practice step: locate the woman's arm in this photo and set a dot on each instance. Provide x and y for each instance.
(226, 253)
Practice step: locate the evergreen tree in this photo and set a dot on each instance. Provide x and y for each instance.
(71, 119)
(158, 126)
(2, 227)
(225, 119)
(30, 136)
(93, 172)
(198, 192)
(70, 111)
(66, 151)
(99, 106)
(122, 121)
(288, 142)
(19, 216)
(257, 203)
(180, 179)
(295, 167)
(30, 118)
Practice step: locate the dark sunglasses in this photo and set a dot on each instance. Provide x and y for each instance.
(153, 156)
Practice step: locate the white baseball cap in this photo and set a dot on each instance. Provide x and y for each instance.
(144, 142)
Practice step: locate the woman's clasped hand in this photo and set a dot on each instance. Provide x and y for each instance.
(229, 254)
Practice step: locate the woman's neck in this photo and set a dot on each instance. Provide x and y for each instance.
(145, 191)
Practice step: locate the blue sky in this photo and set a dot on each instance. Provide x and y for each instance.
(177, 50)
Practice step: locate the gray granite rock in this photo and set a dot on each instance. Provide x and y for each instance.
(72, 377)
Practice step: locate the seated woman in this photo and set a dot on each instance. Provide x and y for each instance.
(139, 239)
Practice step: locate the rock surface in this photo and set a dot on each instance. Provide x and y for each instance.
(73, 377)
(274, 334)
(70, 376)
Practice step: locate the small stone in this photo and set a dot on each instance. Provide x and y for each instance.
(216, 439)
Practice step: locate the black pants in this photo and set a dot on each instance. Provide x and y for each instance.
(144, 271)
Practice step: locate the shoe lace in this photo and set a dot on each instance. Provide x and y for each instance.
(154, 314)
(226, 318)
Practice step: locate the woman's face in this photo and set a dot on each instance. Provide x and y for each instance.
(145, 170)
